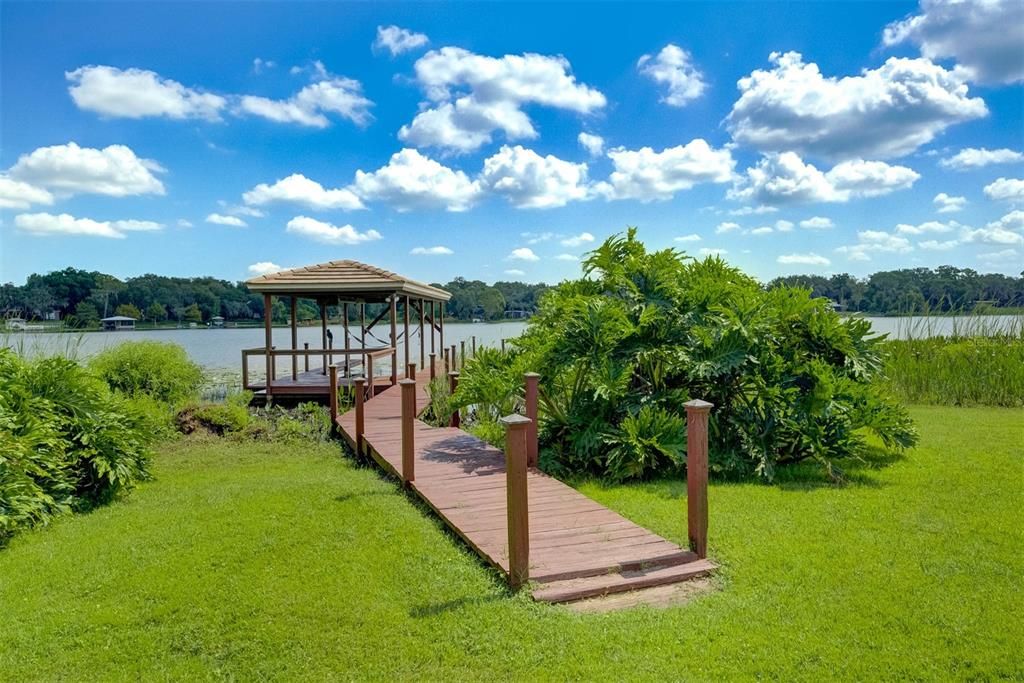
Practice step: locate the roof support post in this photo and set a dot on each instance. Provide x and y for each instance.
(323, 332)
(440, 307)
(394, 338)
(423, 341)
(268, 304)
(405, 334)
(348, 346)
(295, 336)
(362, 324)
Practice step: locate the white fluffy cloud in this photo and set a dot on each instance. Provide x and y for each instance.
(514, 271)
(693, 237)
(894, 109)
(709, 251)
(231, 221)
(531, 181)
(46, 224)
(327, 233)
(473, 96)
(727, 226)
(298, 189)
(397, 40)
(15, 194)
(936, 245)
(523, 254)
(431, 251)
(1000, 256)
(945, 203)
(594, 144)
(993, 233)
(983, 36)
(310, 106)
(673, 67)
(926, 227)
(1011, 221)
(810, 259)
(977, 157)
(264, 267)
(566, 257)
(648, 175)
(763, 230)
(69, 169)
(1006, 189)
(137, 93)
(785, 179)
(875, 241)
(578, 240)
(817, 223)
(412, 181)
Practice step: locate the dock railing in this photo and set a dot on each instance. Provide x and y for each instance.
(366, 362)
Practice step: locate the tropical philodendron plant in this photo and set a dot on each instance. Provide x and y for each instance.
(622, 349)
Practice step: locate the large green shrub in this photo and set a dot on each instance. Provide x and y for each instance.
(66, 441)
(622, 349)
(160, 370)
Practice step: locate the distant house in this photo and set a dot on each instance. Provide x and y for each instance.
(217, 321)
(118, 322)
(16, 324)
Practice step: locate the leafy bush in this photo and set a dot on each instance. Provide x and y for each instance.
(236, 419)
(66, 441)
(160, 370)
(621, 350)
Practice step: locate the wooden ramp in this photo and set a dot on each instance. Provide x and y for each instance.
(578, 548)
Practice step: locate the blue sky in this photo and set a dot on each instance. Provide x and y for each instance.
(229, 139)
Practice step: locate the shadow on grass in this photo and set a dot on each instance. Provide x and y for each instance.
(806, 475)
(432, 610)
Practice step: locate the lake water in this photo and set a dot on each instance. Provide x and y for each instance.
(220, 349)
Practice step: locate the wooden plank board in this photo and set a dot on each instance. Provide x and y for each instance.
(463, 480)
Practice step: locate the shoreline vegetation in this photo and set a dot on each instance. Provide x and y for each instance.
(80, 298)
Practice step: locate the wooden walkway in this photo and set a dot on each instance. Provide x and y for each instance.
(578, 548)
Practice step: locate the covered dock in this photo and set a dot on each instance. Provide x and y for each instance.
(412, 310)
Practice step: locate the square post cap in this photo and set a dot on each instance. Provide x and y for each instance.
(698, 405)
(407, 382)
(360, 380)
(515, 420)
(453, 373)
(531, 375)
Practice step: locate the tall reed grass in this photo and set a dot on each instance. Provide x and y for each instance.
(975, 365)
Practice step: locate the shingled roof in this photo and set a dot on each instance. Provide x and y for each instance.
(346, 279)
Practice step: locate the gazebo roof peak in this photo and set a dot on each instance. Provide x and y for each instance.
(344, 278)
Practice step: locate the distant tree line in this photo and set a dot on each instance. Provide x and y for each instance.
(915, 290)
(87, 296)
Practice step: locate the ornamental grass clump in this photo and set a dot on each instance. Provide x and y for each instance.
(622, 349)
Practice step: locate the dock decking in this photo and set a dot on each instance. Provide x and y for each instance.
(578, 548)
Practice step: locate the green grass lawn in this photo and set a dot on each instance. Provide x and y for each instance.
(275, 561)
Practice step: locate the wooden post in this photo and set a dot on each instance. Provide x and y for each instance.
(245, 370)
(446, 361)
(333, 374)
(410, 371)
(453, 384)
(462, 358)
(517, 502)
(455, 359)
(305, 347)
(433, 322)
(408, 417)
(295, 337)
(406, 344)
(433, 369)
(423, 340)
(323, 333)
(269, 343)
(474, 345)
(697, 413)
(369, 376)
(394, 339)
(362, 324)
(348, 344)
(360, 413)
(532, 379)
(440, 307)
(503, 345)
